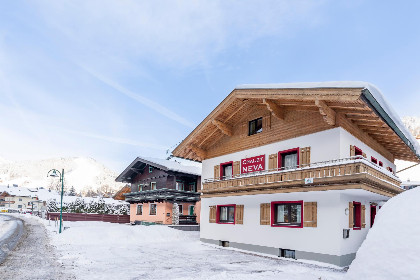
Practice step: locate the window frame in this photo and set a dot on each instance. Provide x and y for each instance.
(150, 209)
(357, 215)
(358, 152)
(180, 209)
(218, 214)
(273, 213)
(280, 155)
(191, 186)
(151, 186)
(381, 164)
(373, 160)
(256, 122)
(179, 183)
(139, 206)
(150, 169)
(222, 176)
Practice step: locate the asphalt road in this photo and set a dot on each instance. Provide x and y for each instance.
(9, 239)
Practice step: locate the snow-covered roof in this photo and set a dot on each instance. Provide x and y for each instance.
(17, 191)
(371, 93)
(163, 164)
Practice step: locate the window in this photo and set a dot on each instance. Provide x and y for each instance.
(358, 152)
(286, 253)
(152, 210)
(180, 186)
(180, 209)
(153, 185)
(287, 213)
(381, 164)
(226, 170)
(226, 214)
(150, 169)
(374, 160)
(390, 169)
(372, 214)
(191, 187)
(140, 187)
(20, 199)
(19, 206)
(255, 126)
(357, 215)
(289, 159)
(139, 209)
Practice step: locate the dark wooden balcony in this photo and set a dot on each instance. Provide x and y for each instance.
(348, 173)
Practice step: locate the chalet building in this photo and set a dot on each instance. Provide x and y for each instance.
(156, 184)
(18, 199)
(298, 170)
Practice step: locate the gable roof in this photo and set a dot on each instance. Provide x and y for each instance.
(139, 164)
(342, 97)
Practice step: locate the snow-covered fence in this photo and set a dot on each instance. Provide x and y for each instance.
(73, 217)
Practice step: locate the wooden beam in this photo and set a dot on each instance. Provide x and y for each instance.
(362, 117)
(198, 151)
(224, 128)
(327, 113)
(275, 109)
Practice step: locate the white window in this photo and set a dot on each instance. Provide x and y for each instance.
(180, 186)
(153, 209)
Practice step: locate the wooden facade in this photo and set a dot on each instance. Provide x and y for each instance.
(289, 113)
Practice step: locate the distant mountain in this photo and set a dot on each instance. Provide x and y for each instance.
(82, 173)
(413, 124)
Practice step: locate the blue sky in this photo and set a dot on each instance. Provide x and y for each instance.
(116, 79)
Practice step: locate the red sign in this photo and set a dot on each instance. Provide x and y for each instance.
(253, 164)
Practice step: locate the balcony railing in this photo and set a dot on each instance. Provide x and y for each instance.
(345, 170)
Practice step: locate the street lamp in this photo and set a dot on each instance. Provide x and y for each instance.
(61, 176)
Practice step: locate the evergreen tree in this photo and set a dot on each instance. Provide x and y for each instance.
(72, 191)
(52, 206)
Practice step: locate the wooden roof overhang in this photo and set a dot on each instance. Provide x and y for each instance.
(353, 108)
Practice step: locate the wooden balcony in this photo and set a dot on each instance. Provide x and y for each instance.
(350, 173)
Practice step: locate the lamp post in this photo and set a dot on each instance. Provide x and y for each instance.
(61, 176)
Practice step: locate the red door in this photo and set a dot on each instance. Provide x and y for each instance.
(372, 214)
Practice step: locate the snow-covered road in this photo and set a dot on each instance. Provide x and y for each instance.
(34, 257)
(11, 230)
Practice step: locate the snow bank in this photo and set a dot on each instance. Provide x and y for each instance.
(6, 228)
(392, 247)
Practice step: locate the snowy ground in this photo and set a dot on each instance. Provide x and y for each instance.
(97, 250)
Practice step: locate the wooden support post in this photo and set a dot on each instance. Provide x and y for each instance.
(226, 129)
(327, 113)
(275, 109)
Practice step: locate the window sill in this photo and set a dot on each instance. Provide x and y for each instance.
(226, 223)
(287, 226)
(357, 228)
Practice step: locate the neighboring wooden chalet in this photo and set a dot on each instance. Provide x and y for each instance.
(156, 184)
(298, 170)
(120, 195)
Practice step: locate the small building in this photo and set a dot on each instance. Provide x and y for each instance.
(156, 185)
(298, 170)
(408, 185)
(18, 198)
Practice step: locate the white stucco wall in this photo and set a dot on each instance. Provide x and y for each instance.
(326, 238)
(346, 139)
(325, 145)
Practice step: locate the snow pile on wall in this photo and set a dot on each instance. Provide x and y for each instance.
(392, 247)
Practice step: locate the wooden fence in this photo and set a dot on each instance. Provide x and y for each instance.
(73, 217)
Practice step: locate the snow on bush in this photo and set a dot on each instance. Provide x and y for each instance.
(392, 247)
(94, 207)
